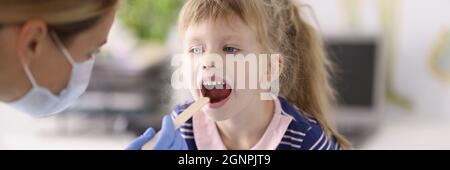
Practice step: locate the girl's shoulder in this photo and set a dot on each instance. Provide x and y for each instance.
(304, 132)
(187, 130)
(181, 107)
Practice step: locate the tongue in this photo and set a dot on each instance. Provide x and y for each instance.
(217, 95)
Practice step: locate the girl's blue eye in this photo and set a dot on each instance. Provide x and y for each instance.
(230, 50)
(196, 50)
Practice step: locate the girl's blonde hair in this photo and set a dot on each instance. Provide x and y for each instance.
(305, 73)
(65, 17)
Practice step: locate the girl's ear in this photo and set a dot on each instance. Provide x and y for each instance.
(276, 65)
(273, 71)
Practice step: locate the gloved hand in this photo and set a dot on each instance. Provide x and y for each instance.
(170, 138)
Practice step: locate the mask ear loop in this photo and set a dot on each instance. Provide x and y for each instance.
(27, 69)
(30, 75)
(62, 48)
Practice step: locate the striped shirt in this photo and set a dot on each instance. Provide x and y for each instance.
(298, 132)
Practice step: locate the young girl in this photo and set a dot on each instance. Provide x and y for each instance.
(238, 118)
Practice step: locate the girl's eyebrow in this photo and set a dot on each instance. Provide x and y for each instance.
(193, 40)
(233, 37)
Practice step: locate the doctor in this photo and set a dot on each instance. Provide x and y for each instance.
(47, 51)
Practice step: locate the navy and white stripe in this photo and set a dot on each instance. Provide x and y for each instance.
(303, 133)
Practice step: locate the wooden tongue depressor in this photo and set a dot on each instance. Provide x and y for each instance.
(180, 120)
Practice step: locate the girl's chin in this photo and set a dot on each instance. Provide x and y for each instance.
(217, 114)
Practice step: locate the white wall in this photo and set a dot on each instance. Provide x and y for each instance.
(419, 26)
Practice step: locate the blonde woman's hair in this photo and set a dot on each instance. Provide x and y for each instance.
(306, 69)
(65, 17)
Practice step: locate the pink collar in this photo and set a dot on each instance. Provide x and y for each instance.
(207, 136)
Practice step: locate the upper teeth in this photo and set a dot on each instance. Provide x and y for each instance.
(213, 83)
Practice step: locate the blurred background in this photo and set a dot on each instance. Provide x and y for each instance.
(393, 59)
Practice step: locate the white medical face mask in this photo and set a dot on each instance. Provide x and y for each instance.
(41, 102)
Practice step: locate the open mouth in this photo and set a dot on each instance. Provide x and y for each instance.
(216, 91)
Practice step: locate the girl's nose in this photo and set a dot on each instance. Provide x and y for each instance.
(208, 64)
(211, 60)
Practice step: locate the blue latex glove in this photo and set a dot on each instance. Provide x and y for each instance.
(170, 138)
